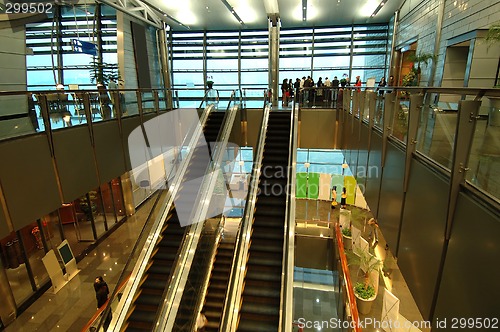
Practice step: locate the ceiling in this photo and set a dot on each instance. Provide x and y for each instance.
(215, 14)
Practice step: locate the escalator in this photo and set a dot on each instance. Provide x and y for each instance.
(260, 306)
(148, 297)
(219, 279)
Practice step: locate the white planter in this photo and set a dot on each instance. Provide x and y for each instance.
(347, 242)
(364, 306)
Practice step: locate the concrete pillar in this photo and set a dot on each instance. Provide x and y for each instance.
(274, 57)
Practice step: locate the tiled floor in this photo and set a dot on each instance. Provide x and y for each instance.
(72, 307)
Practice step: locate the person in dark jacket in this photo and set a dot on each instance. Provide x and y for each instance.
(101, 294)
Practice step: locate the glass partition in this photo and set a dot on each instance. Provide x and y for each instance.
(14, 261)
(33, 243)
(484, 160)
(436, 132)
(400, 119)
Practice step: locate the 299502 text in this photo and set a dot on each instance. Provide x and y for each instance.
(28, 8)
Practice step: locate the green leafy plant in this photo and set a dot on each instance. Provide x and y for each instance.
(346, 232)
(410, 79)
(102, 72)
(364, 292)
(368, 263)
(493, 35)
(420, 58)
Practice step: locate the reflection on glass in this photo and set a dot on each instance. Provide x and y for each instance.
(14, 262)
(148, 102)
(52, 230)
(98, 213)
(77, 226)
(117, 195)
(378, 121)
(484, 160)
(400, 121)
(33, 247)
(436, 135)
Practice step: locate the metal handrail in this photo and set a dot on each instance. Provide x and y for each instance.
(163, 194)
(348, 282)
(99, 311)
(173, 295)
(286, 304)
(154, 234)
(231, 304)
(226, 131)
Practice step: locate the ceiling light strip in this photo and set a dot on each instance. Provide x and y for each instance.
(231, 9)
(304, 10)
(378, 8)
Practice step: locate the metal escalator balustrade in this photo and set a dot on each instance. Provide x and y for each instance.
(261, 296)
(219, 279)
(148, 298)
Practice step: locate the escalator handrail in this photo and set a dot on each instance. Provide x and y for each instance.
(124, 275)
(205, 97)
(99, 311)
(173, 293)
(144, 257)
(235, 98)
(227, 130)
(286, 303)
(230, 313)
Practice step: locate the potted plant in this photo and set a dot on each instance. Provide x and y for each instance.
(420, 58)
(366, 289)
(352, 217)
(345, 224)
(347, 237)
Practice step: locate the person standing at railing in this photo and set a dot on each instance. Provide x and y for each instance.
(335, 87)
(101, 293)
(284, 92)
(358, 84)
(296, 85)
(381, 84)
(343, 199)
(334, 197)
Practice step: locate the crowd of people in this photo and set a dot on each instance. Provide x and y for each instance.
(309, 92)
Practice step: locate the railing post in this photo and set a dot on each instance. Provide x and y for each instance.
(411, 137)
(156, 101)
(139, 101)
(466, 122)
(372, 104)
(387, 128)
(355, 103)
(346, 99)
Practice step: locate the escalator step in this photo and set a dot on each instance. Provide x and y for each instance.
(273, 277)
(263, 291)
(266, 246)
(254, 324)
(148, 299)
(158, 267)
(152, 283)
(142, 316)
(261, 307)
(264, 261)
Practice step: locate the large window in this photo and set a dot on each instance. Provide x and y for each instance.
(240, 59)
(77, 22)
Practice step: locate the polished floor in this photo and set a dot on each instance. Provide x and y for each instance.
(315, 295)
(72, 307)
